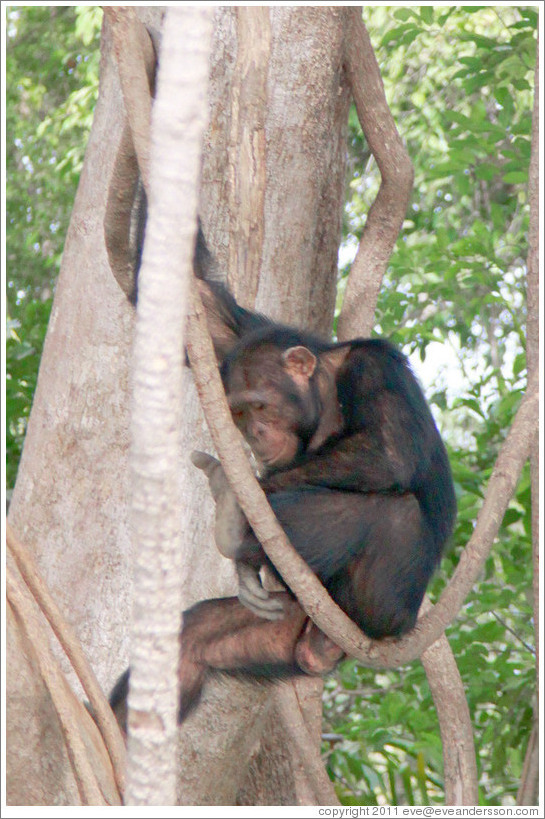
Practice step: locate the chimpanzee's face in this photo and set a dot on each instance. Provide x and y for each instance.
(268, 397)
(264, 421)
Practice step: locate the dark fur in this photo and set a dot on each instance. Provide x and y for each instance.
(370, 509)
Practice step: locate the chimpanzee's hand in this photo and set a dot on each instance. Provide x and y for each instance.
(231, 525)
(252, 594)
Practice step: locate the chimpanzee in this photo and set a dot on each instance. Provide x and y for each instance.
(355, 471)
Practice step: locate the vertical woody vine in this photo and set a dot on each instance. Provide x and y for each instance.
(136, 62)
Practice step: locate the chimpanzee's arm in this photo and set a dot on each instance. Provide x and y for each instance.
(231, 527)
(385, 454)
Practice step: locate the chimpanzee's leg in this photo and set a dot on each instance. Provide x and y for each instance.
(315, 652)
(374, 553)
(223, 635)
(383, 586)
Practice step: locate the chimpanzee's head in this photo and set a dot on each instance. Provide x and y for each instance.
(280, 382)
(273, 398)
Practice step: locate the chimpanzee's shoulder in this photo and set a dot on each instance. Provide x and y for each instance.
(375, 364)
(379, 350)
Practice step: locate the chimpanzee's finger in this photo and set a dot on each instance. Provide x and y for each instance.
(269, 609)
(252, 594)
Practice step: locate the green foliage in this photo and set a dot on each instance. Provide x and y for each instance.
(459, 82)
(24, 341)
(386, 721)
(52, 85)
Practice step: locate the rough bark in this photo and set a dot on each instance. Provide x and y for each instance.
(248, 149)
(69, 502)
(306, 129)
(295, 295)
(102, 713)
(77, 525)
(37, 766)
(88, 761)
(447, 690)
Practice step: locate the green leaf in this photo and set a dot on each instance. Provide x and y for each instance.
(398, 33)
(530, 15)
(515, 177)
(426, 14)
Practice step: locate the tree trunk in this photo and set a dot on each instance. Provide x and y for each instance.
(70, 504)
(243, 757)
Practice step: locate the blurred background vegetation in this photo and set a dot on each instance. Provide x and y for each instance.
(459, 81)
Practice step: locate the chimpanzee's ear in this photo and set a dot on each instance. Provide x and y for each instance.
(299, 363)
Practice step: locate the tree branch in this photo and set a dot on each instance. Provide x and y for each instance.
(118, 215)
(388, 211)
(501, 487)
(447, 689)
(135, 57)
(307, 750)
(55, 682)
(68, 639)
(529, 781)
(387, 653)
(158, 385)
(382, 227)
